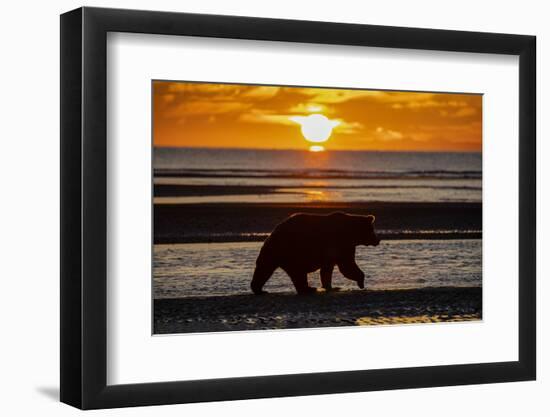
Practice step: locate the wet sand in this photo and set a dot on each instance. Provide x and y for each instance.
(194, 190)
(334, 309)
(169, 190)
(222, 222)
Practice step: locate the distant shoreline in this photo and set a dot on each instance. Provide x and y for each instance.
(226, 222)
(335, 309)
(260, 237)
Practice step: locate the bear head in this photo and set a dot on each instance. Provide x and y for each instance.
(367, 235)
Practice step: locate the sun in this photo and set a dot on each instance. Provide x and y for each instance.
(316, 128)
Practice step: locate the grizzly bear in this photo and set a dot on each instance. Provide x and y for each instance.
(304, 243)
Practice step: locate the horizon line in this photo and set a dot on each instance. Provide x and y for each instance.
(307, 150)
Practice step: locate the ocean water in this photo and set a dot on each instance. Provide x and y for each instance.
(207, 269)
(300, 176)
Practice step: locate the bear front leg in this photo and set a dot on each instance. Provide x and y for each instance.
(299, 279)
(326, 277)
(350, 270)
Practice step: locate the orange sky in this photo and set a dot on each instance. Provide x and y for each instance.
(251, 116)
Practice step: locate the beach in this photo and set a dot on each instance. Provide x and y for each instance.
(334, 309)
(213, 208)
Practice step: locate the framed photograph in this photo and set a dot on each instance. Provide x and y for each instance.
(258, 208)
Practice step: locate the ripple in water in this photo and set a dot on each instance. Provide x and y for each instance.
(205, 269)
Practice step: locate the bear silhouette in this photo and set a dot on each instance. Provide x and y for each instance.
(304, 243)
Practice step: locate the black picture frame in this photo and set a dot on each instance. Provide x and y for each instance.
(84, 207)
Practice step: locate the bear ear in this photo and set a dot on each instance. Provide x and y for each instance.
(371, 218)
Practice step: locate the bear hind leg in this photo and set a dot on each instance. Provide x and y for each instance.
(299, 279)
(326, 277)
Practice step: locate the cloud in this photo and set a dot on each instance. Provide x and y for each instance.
(262, 93)
(196, 99)
(259, 116)
(447, 104)
(348, 128)
(264, 116)
(197, 108)
(183, 100)
(387, 134)
(464, 112)
(446, 108)
(456, 128)
(306, 108)
(221, 90)
(452, 133)
(335, 96)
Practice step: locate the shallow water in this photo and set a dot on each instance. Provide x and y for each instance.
(203, 269)
(246, 163)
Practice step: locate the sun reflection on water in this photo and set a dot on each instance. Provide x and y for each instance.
(316, 148)
(316, 195)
